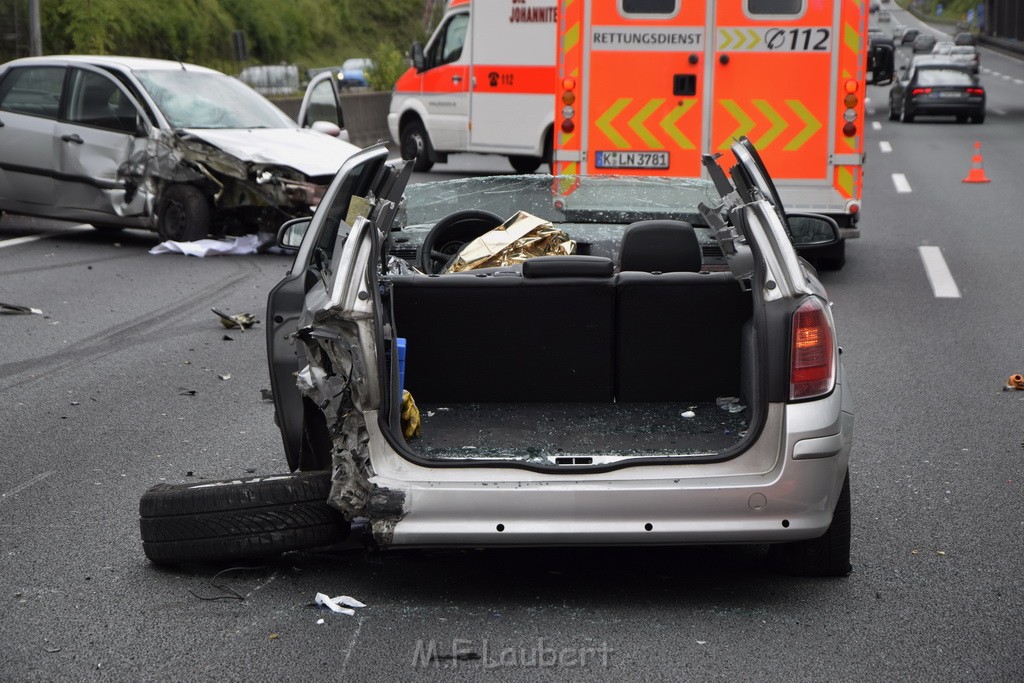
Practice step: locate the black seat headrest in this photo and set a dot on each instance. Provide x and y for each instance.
(660, 246)
(567, 266)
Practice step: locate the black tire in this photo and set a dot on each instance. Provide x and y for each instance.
(961, 118)
(828, 555)
(236, 519)
(893, 114)
(908, 116)
(183, 214)
(978, 118)
(524, 164)
(415, 144)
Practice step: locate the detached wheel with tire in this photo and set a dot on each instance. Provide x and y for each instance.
(828, 555)
(415, 144)
(183, 214)
(239, 519)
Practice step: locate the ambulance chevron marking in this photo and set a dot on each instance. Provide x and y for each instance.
(851, 38)
(571, 38)
(668, 124)
(604, 122)
(746, 123)
(844, 181)
(637, 123)
(755, 38)
(811, 126)
(725, 39)
(778, 124)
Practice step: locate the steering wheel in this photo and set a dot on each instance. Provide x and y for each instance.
(451, 233)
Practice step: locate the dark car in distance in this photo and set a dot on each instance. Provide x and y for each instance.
(935, 86)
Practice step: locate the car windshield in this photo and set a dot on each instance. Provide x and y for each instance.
(202, 99)
(565, 199)
(942, 77)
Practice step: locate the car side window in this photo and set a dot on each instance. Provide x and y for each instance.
(322, 105)
(95, 100)
(448, 47)
(33, 90)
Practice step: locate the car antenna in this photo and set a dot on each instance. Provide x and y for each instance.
(171, 52)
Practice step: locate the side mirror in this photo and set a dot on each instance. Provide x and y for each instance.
(419, 62)
(327, 128)
(291, 234)
(811, 230)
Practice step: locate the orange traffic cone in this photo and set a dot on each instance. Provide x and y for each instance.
(977, 172)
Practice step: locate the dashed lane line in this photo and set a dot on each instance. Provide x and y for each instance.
(901, 183)
(876, 125)
(884, 146)
(35, 238)
(935, 267)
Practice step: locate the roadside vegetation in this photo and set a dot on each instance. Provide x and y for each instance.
(310, 33)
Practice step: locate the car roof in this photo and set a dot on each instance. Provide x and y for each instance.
(937, 62)
(124, 63)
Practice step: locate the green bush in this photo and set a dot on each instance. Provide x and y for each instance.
(388, 64)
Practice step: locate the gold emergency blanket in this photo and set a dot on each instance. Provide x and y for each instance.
(521, 237)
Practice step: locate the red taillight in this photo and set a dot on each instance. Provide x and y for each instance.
(975, 91)
(920, 91)
(812, 366)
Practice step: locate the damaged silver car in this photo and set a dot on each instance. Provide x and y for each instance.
(127, 142)
(537, 360)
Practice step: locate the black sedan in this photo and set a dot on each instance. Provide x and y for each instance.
(937, 87)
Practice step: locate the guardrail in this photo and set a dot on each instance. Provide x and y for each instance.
(365, 113)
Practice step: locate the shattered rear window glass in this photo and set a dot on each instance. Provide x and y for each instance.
(199, 99)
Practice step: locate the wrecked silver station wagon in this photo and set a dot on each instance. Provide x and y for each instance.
(127, 142)
(670, 376)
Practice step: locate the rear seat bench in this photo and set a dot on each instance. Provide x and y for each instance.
(569, 329)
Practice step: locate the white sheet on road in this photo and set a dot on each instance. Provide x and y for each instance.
(246, 244)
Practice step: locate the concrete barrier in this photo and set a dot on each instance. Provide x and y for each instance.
(365, 114)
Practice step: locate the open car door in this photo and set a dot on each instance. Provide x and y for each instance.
(364, 184)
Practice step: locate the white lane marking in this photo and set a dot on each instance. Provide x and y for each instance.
(35, 238)
(1007, 77)
(943, 284)
(876, 125)
(867, 100)
(900, 181)
(999, 112)
(995, 73)
(871, 111)
(1018, 81)
(34, 480)
(885, 147)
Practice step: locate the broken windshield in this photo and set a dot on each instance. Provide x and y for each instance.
(565, 199)
(203, 99)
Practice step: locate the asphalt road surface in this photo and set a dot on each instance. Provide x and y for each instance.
(96, 405)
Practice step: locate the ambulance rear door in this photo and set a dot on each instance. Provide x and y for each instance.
(513, 75)
(643, 82)
(773, 66)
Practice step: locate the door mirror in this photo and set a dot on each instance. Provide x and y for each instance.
(290, 236)
(327, 128)
(812, 230)
(419, 62)
(881, 63)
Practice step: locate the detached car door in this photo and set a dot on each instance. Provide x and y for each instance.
(101, 129)
(313, 274)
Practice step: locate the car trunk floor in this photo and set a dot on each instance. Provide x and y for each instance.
(524, 431)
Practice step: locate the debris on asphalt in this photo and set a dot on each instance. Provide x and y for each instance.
(1015, 382)
(320, 622)
(689, 414)
(239, 321)
(224, 377)
(730, 404)
(273, 636)
(227, 338)
(266, 394)
(339, 604)
(15, 309)
(182, 391)
(246, 244)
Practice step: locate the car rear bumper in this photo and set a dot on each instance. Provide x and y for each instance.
(784, 487)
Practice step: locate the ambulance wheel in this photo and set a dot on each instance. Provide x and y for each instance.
(415, 144)
(524, 164)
